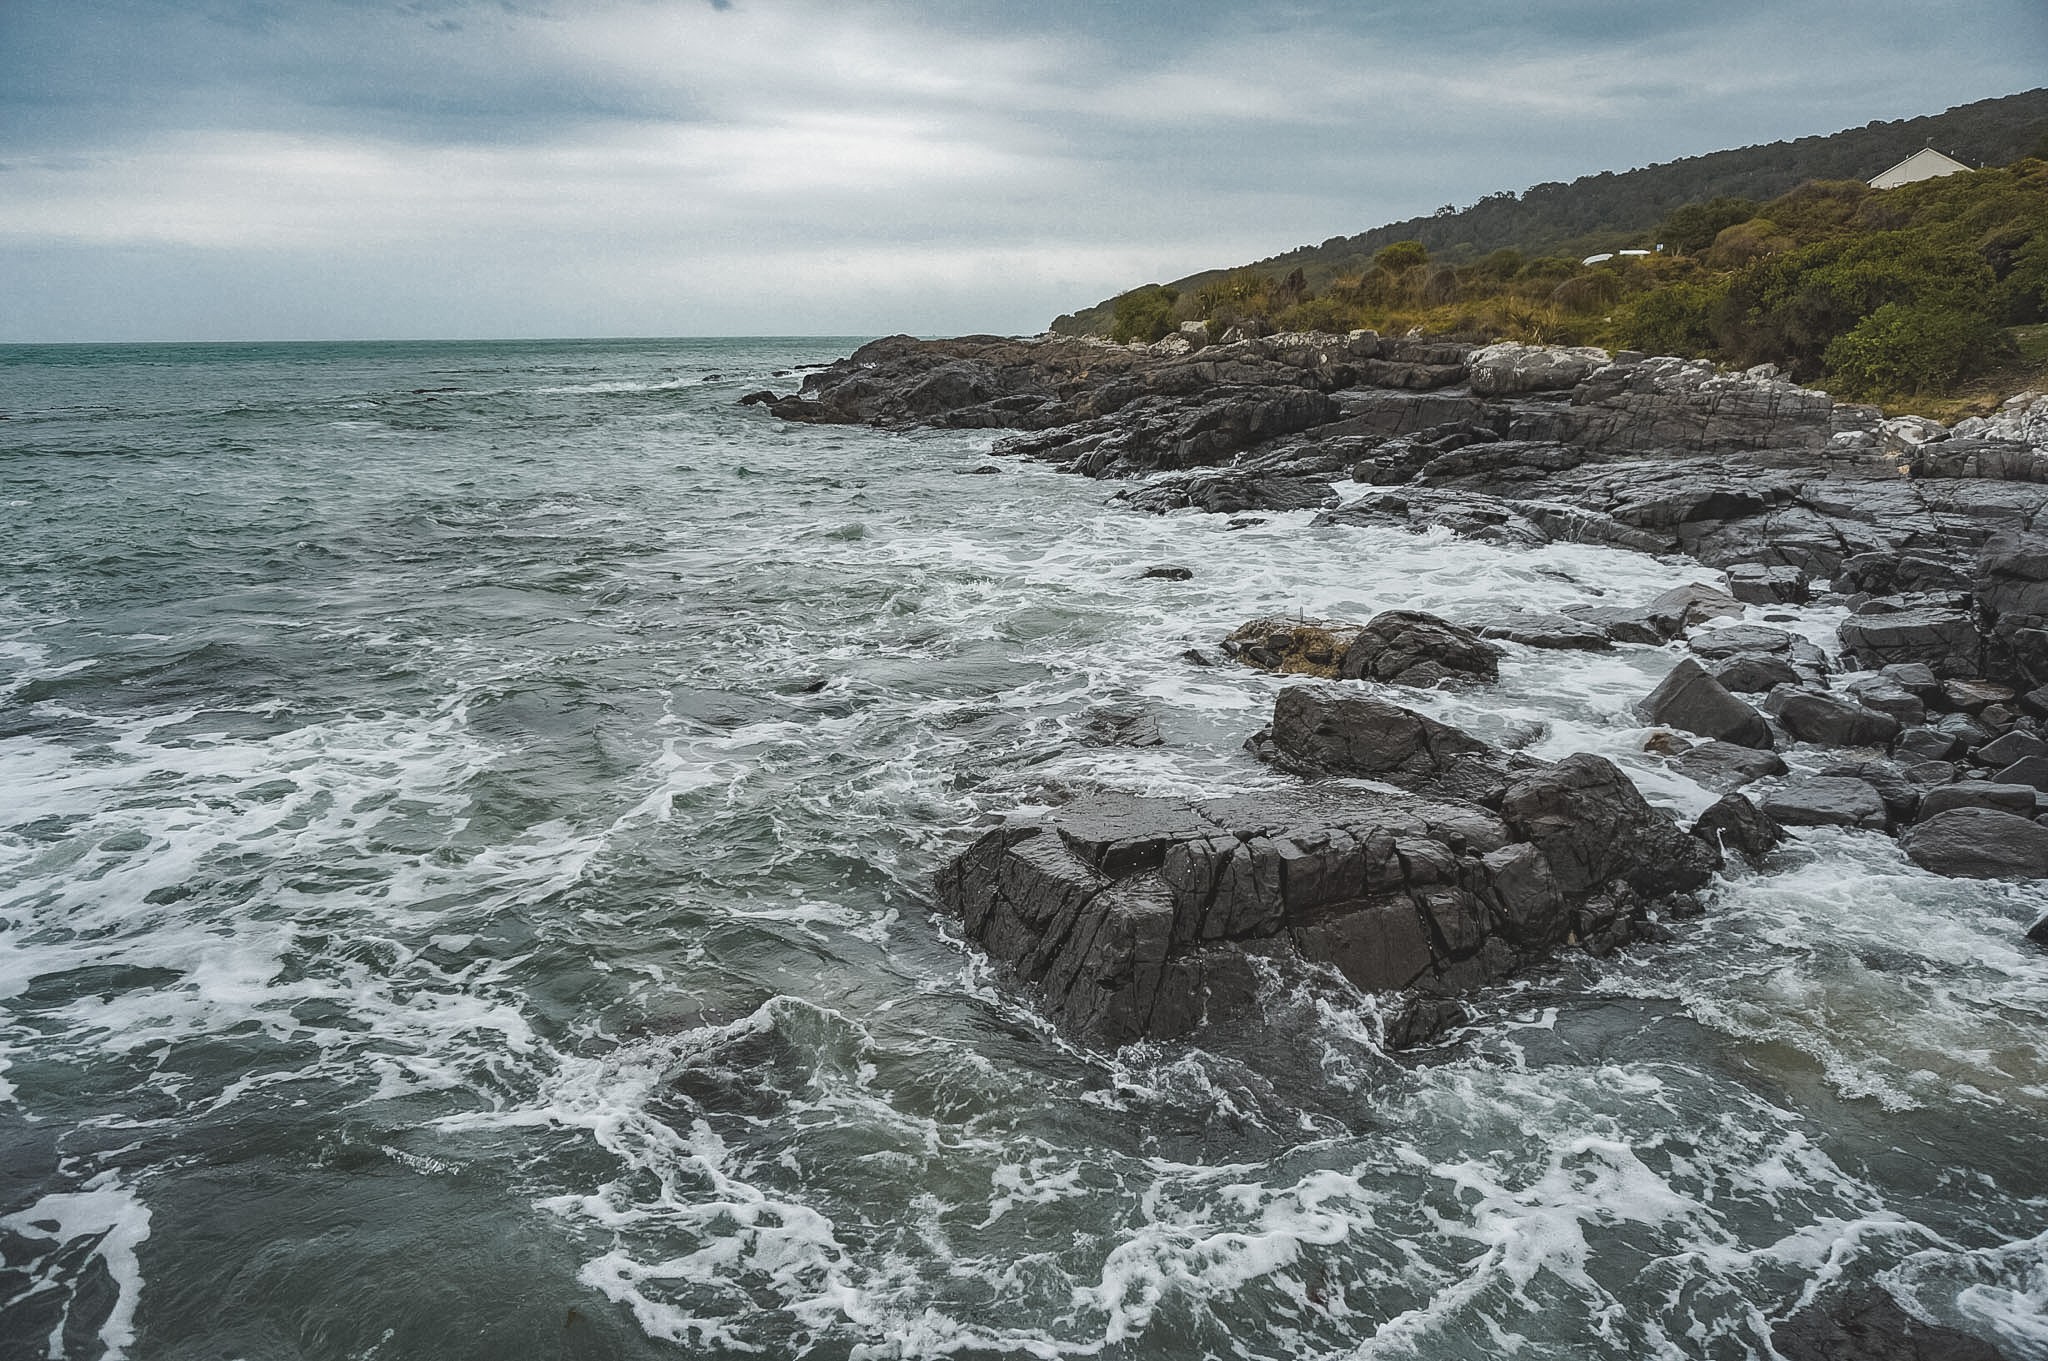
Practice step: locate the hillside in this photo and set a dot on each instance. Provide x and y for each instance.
(1609, 210)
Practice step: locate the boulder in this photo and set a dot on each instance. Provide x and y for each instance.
(1875, 690)
(1754, 583)
(1754, 673)
(1979, 843)
(1593, 825)
(1409, 647)
(1684, 607)
(1927, 744)
(1690, 699)
(2028, 770)
(1900, 795)
(1339, 730)
(1944, 640)
(2017, 799)
(1733, 639)
(1733, 823)
(1138, 918)
(1826, 801)
(2014, 746)
(1725, 766)
(1818, 716)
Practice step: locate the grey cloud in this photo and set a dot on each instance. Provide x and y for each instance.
(645, 165)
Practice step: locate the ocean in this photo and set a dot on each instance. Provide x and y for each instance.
(467, 813)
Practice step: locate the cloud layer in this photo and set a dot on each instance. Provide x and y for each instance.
(666, 167)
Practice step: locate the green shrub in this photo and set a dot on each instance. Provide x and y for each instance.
(1676, 319)
(1691, 229)
(1400, 257)
(1143, 314)
(1905, 349)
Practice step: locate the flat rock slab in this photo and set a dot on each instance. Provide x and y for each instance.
(1733, 638)
(1560, 632)
(1724, 766)
(1827, 801)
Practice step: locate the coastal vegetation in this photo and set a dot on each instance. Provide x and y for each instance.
(1908, 296)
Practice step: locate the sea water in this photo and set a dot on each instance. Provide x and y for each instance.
(466, 820)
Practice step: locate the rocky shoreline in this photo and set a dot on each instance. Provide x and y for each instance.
(1460, 863)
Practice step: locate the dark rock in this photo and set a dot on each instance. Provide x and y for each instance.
(2028, 770)
(1826, 801)
(1943, 640)
(1733, 639)
(1725, 766)
(1882, 693)
(2017, 799)
(1593, 825)
(1756, 584)
(1122, 726)
(1683, 607)
(763, 398)
(1409, 647)
(1135, 918)
(1735, 824)
(1901, 795)
(1817, 716)
(1979, 843)
(2038, 932)
(1916, 679)
(1232, 493)
(1754, 673)
(1869, 1326)
(1974, 696)
(1555, 631)
(1194, 656)
(1968, 733)
(1621, 623)
(1168, 572)
(2012, 747)
(1336, 730)
(1690, 699)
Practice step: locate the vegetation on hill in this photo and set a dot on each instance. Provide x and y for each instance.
(1692, 199)
(1888, 295)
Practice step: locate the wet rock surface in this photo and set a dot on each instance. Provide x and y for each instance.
(1929, 539)
(1145, 918)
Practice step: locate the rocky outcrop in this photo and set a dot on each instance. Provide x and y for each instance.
(1132, 918)
(1409, 647)
(1509, 369)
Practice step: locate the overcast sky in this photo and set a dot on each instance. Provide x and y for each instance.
(242, 169)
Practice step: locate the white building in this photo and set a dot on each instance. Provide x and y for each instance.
(1924, 164)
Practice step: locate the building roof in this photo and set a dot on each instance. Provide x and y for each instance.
(1924, 164)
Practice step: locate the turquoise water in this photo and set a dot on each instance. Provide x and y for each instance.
(465, 819)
